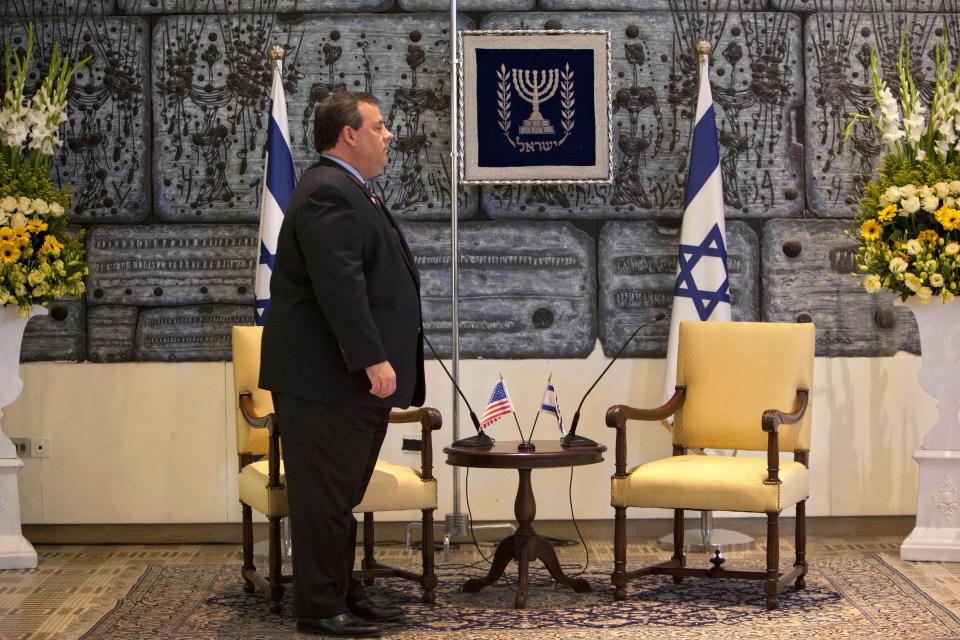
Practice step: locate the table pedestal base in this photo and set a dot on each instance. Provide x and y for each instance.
(523, 546)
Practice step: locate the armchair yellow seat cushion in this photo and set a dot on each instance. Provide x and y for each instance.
(711, 483)
(393, 487)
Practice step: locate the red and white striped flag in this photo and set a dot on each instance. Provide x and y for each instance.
(498, 406)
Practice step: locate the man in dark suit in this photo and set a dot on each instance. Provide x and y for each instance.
(342, 343)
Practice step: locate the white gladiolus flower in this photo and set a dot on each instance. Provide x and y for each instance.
(914, 247)
(936, 280)
(898, 265)
(951, 249)
(921, 154)
(893, 194)
(942, 148)
(910, 205)
(872, 283)
(908, 191)
(931, 203)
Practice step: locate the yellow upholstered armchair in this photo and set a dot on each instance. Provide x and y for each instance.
(740, 385)
(392, 487)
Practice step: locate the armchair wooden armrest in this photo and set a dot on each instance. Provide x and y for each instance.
(619, 414)
(268, 421)
(430, 420)
(771, 421)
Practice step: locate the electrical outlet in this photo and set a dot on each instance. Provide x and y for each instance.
(22, 446)
(40, 448)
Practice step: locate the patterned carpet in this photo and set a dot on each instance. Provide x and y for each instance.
(846, 597)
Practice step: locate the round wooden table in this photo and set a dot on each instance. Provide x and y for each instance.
(524, 545)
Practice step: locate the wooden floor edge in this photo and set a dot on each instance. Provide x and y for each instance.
(229, 533)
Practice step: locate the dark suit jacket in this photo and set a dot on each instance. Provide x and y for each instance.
(345, 294)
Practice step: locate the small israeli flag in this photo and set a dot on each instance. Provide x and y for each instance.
(278, 182)
(702, 289)
(551, 404)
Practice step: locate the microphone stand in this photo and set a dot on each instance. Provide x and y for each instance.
(572, 439)
(479, 441)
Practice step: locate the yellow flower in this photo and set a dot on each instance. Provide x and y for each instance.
(872, 283)
(6, 234)
(928, 235)
(888, 213)
(949, 218)
(35, 226)
(51, 246)
(21, 236)
(9, 252)
(870, 229)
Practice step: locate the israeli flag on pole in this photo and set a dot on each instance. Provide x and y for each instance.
(278, 184)
(551, 405)
(702, 289)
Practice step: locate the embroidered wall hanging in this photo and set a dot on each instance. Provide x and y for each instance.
(534, 106)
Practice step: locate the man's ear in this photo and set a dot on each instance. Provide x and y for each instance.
(349, 135)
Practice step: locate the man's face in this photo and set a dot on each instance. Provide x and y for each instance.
(373, 141)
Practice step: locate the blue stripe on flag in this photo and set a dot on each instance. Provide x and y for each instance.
(279, 166)
(266, 257)
(704, 154)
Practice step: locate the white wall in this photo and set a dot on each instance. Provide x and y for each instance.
(154, 442)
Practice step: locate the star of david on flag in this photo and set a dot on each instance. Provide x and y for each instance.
(278, 182)
(702, 288)
(498, 406)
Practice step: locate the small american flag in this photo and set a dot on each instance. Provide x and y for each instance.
(498, 406)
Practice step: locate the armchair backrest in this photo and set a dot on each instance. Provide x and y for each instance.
(246, 377)
(733, 372)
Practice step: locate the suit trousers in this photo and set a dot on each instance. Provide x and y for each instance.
(329, 453)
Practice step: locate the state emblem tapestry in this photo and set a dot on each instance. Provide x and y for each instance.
(534, 106)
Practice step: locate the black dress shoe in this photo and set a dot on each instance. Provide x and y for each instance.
(370, 610)
(345, 624)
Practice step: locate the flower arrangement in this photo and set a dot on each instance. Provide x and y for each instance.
(40, 258)
(908, 226)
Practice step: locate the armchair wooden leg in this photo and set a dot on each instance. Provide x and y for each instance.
(276, 585)
(678, 542)
(801, 544)
(247, 546)
(771, 585)
(429, 579)
(368, 561)
(619, 577)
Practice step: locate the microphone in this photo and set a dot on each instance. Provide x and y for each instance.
(572, 439)
(479, 441)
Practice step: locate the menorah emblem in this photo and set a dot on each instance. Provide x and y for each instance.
(536, 87)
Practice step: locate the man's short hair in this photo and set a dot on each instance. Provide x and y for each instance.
(336, 111)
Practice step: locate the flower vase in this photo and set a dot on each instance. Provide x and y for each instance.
(936, 535)
(16, 552)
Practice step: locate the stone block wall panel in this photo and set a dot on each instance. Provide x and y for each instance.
(638, 271)
(111, 332)
(526, 290)
(141, 7)
(105, 155)
(43, 8)
(179, 334)
(756, 76)
(807, 277)
(211, 96)
(166, 265)
(59, 335)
